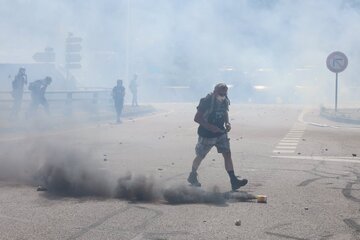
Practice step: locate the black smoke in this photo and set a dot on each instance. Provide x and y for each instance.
(67, 171)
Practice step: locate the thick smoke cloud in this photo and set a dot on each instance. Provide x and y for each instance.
(65, 171)
(277, 43)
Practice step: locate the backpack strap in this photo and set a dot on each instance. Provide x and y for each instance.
(211, 107)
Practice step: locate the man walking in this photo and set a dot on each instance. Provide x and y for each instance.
(118, 94)
(18, 90)
(133, 88)
(213, 119)
(38, 89)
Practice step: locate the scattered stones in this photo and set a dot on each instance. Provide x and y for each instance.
(213, 159)
(238, 223)
(304, 139)
(306, 208)
(172, 163)
(354, 155)
(326, 149)
(105, 159)
(160, 169)
(299, 153)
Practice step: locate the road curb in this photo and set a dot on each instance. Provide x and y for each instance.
(350, 116)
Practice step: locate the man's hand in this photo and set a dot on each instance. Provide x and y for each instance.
(227, 127)
(214, 129)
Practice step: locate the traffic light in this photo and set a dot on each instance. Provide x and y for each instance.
(73, 49)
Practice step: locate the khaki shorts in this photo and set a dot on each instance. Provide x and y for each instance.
(204, 145)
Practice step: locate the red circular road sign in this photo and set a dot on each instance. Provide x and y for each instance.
(336, 62)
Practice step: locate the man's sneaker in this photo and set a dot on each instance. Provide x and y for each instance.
(237, 183)
(192, 179)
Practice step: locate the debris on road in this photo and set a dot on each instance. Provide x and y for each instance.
(354, 155)
(238, 223)
(261, 199)
(41, 189)
(239, 196)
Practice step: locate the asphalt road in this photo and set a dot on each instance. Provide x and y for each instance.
(308, 167)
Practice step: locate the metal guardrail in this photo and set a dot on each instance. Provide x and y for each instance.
(65, 96)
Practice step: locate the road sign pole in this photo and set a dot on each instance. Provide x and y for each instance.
(336, 91)
(336, 62)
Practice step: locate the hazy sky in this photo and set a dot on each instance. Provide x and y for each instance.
(180, 41)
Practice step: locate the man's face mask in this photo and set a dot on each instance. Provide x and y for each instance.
(220, 98)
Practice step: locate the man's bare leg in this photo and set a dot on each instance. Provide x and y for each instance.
(192, 179)
(235, 182)
(196, 163)
(228, 161)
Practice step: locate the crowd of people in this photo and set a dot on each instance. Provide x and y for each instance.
(38, 89)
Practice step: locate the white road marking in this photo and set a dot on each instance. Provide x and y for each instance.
(289, 141)
(283, 151)
(293, 136)
(286, 147)
(289, 144)
(322, 158)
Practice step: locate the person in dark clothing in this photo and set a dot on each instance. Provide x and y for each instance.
(213, 119)
(133, 88)
(18, 90)
(118, 94)
(38, 89)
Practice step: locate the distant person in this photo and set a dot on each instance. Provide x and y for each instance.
(213, 119)
(18, 84)
(133, 88)
(38, 89)
(118, 94)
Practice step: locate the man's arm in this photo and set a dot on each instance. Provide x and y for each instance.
(227, 122)
(199, 118)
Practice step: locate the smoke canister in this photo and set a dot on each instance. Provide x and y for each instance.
(261, 199)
